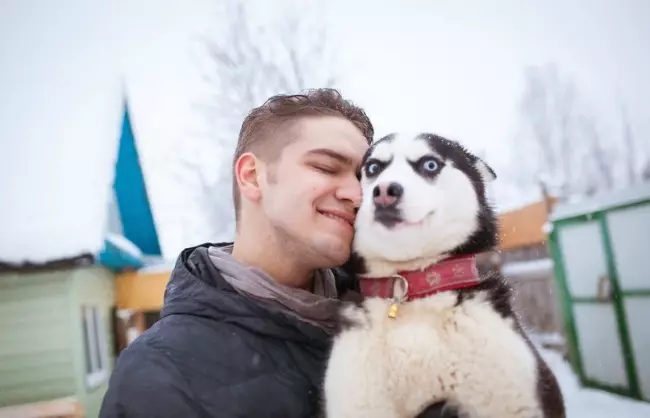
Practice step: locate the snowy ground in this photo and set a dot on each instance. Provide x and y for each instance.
(583, 403)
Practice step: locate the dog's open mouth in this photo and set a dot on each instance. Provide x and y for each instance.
(388, 217)
(392, 218)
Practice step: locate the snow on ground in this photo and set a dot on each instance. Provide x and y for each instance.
(590, 403)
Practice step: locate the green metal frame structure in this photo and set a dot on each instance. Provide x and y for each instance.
(619, 296)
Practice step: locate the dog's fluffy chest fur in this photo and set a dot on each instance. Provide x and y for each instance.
(435, 350)
(424, 213)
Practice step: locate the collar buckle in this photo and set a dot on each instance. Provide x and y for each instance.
(396, 300)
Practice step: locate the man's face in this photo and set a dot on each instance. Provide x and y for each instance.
(310, 193)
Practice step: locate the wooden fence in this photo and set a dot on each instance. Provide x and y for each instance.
(57, 408)
(536, 301)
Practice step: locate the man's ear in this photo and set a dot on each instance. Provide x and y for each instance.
(247, 176)
(485, 170)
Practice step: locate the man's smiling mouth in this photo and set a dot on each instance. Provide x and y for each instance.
(341, 216)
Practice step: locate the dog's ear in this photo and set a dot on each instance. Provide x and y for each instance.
(486, 172)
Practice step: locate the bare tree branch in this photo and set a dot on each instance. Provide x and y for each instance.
(202, 221)
(603, 175)
(255, 61)
(567, 149)
(252, 58)
(630, 158)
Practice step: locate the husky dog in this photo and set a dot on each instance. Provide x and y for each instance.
(430, 334)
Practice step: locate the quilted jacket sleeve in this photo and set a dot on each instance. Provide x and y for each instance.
(145, 383)
(148, 383)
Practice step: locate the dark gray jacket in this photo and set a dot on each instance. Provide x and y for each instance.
(215, 353)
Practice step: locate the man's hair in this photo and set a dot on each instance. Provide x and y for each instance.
(265, 130)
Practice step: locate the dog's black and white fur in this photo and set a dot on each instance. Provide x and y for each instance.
(462, 351)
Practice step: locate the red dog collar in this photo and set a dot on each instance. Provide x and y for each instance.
(449, 274)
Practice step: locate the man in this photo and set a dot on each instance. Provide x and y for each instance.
(245, 328)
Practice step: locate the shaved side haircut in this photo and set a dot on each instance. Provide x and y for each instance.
(269, 128)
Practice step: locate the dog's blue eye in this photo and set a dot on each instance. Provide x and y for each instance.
(430, 165)
(372, 168)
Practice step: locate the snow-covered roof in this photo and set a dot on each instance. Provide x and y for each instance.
(75, 188)
(56, 171)
(602, 201)
(528, 267)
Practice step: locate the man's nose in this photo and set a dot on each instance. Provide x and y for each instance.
(351, 192)
(387, 194)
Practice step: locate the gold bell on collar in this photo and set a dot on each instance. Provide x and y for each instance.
(392, 311)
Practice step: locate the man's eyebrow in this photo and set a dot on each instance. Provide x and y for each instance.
(332, 154)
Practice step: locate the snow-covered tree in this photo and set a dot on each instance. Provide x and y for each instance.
(257, 51)
(563, 144)
(636, 160)
(256, 57)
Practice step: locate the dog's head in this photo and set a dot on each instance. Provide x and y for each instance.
(424, 198)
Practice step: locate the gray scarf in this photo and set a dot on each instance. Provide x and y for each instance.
(318, 308)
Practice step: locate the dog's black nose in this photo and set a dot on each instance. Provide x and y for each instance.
(385, 195)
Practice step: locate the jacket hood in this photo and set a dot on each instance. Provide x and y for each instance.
(197, 288)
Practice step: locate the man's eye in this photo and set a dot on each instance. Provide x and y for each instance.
(325, 169)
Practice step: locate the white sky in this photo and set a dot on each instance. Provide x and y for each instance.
(445, 66)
